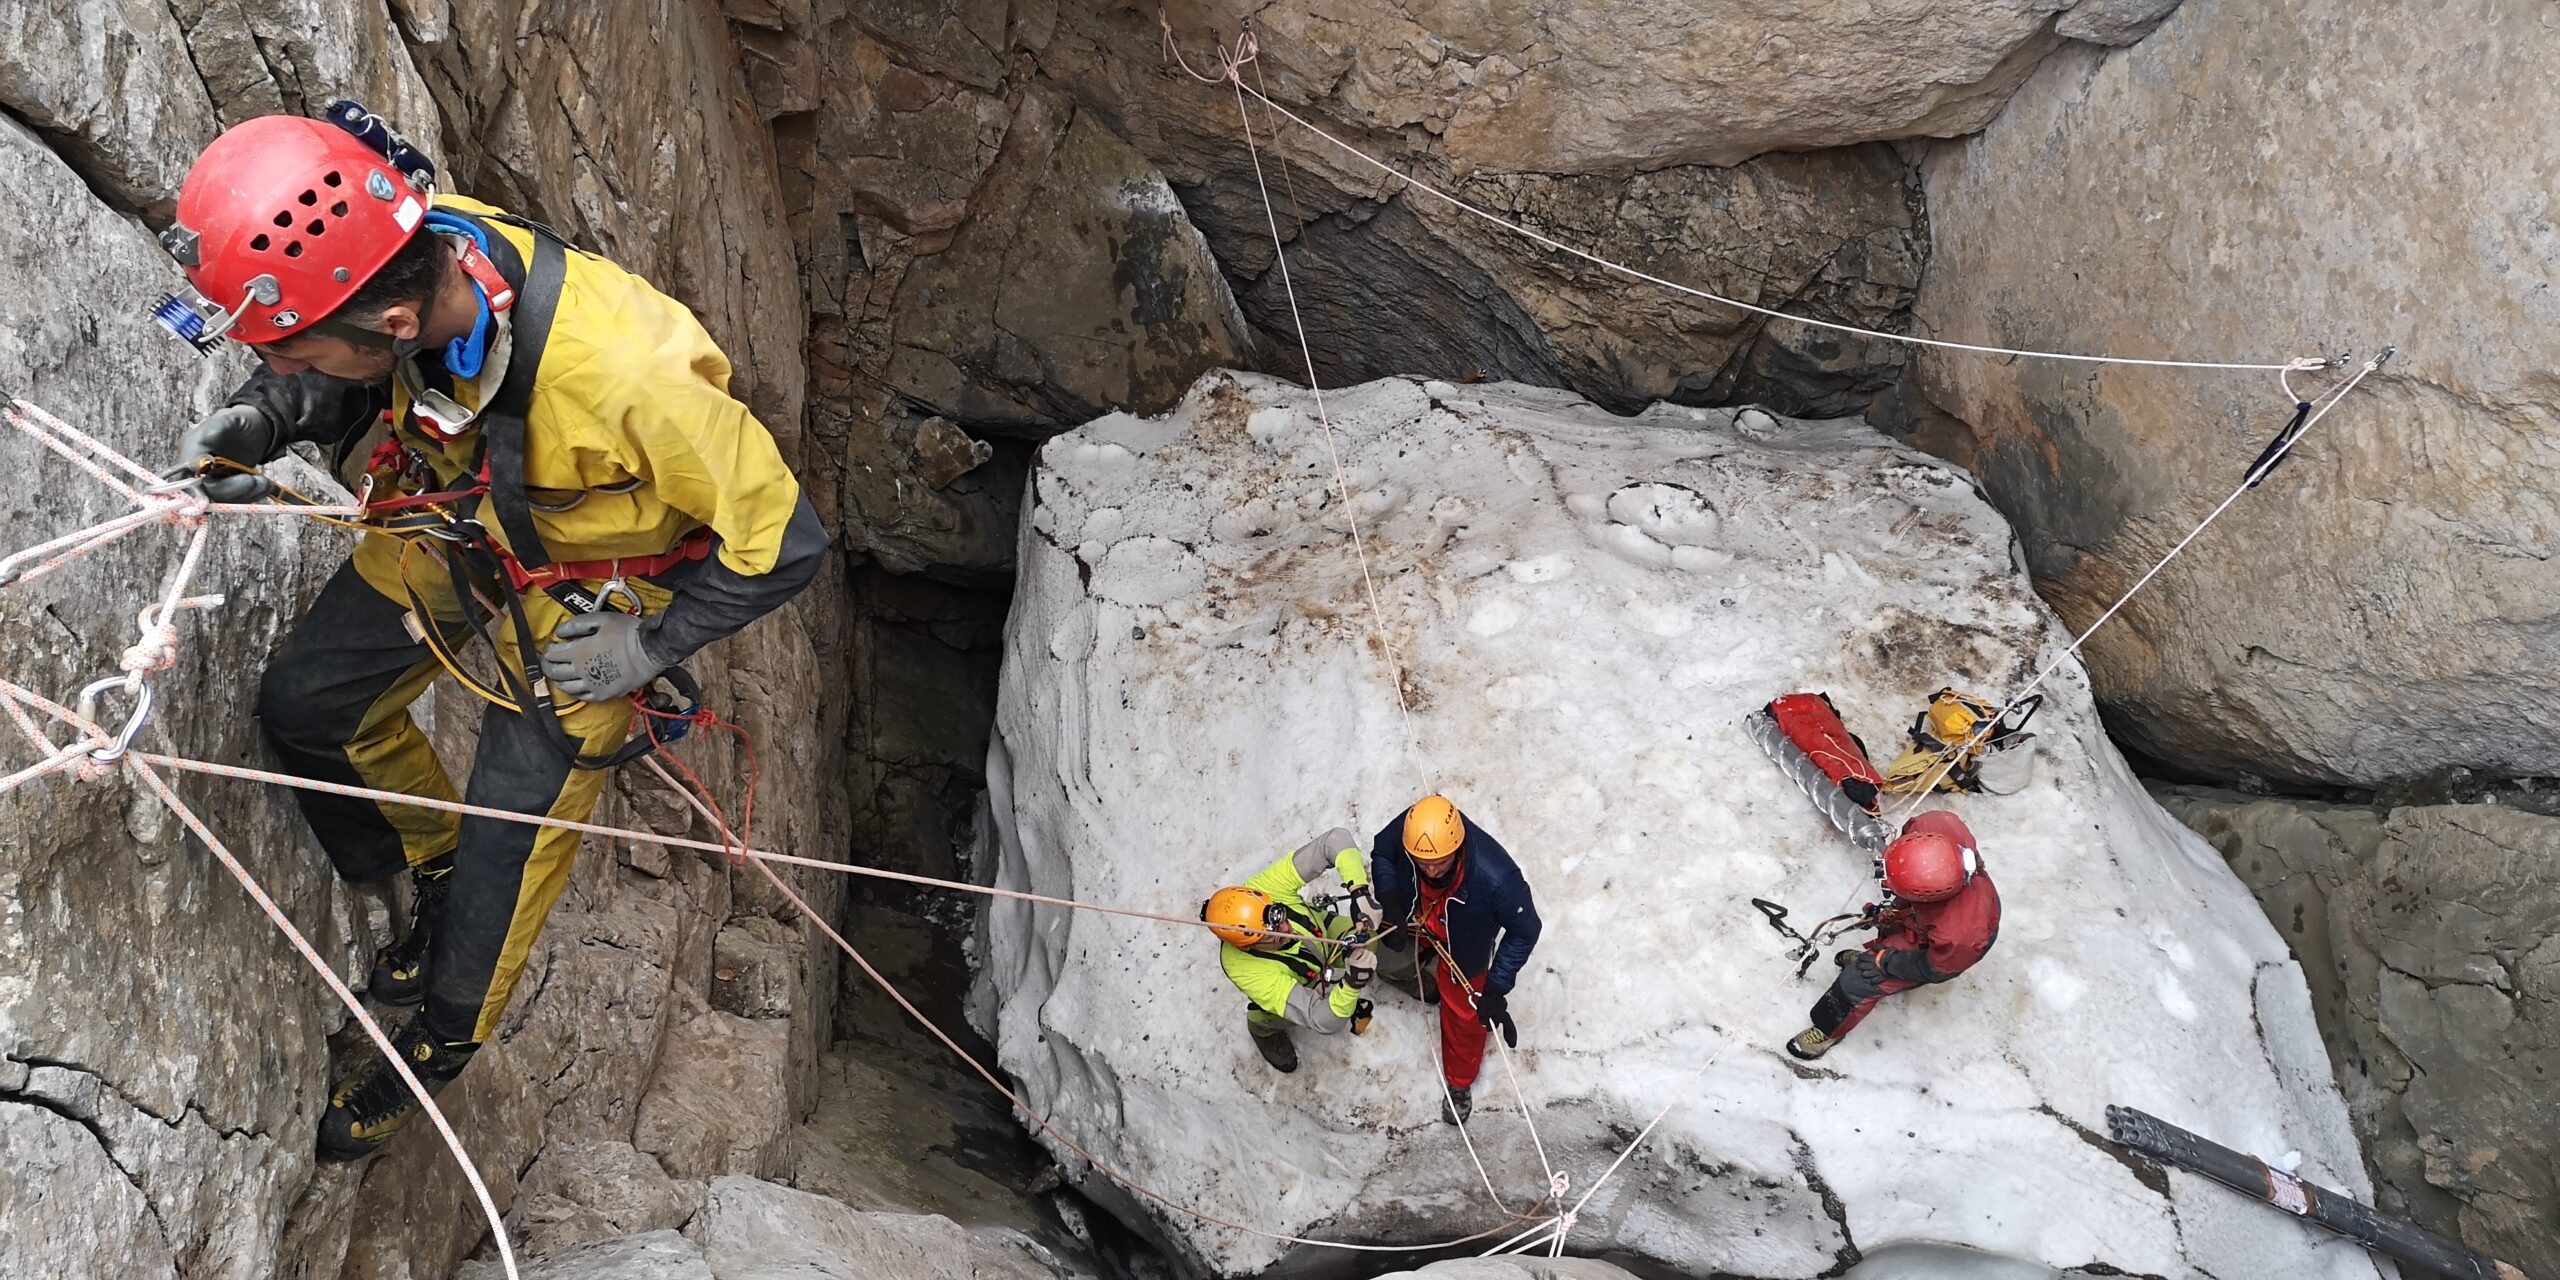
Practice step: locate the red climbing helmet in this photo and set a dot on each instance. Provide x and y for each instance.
(1926, 866)
(283, 218)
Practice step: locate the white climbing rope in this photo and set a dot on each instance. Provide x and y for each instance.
(1248, 48)
(1377, 611)
(2284, 448)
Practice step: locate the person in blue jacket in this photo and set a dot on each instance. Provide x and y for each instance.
(1452, 895)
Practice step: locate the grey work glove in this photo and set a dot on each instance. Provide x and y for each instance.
(226, 449)
(598, 657)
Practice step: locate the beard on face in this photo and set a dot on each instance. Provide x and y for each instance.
(376, 370)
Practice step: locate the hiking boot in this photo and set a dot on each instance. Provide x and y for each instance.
(1458, 1105)
(400, 970)
(374, 1103)
(1276, 1050)
(1810, 1044)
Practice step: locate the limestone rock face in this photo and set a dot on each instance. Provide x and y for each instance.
(1393, 283)
(161, 1050)
(655, 1255)
(1515, 1269)
(754, 1230)
(751, 1230)
(722, 1101)
(1584, 607)
(982, 250)
(582, 1192)
(2431, 935)
(2383, 606)
(163, 1057)
(1627, 87)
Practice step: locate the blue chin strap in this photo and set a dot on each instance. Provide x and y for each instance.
(464, 355)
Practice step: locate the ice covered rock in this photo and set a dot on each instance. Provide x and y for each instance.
(1585, 607)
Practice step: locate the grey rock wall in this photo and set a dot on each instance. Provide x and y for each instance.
(2253, 182)
(2431, 938)
(163, 1057)
(1393, 283)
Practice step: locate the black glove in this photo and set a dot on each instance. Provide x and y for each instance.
(227, 449)
(1493, 1012)
(1361, 1014)
(1861, 973)
(598, 657)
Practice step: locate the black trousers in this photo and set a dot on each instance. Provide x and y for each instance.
(334, 703)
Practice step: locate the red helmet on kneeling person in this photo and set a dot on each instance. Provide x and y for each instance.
(1926, 866)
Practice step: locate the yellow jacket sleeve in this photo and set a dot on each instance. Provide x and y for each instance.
(704, 453)
(1342, 1000)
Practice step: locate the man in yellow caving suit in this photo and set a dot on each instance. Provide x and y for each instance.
(1298, 964)
(587, 495)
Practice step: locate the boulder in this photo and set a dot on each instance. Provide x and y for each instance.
(754, 1230)
(1515, 1269)
(1626, 88)
(1583, 608)
(2431, 934)
(579, 1192)
(655, 1255)
(2381, 607)
(721, 1101)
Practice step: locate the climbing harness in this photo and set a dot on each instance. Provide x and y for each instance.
(1808, 946)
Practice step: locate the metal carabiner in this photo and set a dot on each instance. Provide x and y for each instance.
(88, 706)
(616, 586)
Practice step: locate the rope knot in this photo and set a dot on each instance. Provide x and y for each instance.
(156, 651)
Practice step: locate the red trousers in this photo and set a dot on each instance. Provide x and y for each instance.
(1461, 1036)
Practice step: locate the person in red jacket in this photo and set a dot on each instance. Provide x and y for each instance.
(1945, 916)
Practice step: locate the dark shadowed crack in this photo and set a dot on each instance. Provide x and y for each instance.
(2148, 1174)
(66, 148)
(97, 1133)
(1847, 1255)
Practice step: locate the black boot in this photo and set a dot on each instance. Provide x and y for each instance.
(1460, 1103)
(400, 970)
(374, 1103)
(1278, 1051)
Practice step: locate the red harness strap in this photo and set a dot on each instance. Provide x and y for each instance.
(696, 546)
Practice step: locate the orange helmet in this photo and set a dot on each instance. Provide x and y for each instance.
(1238, 914)
(1924, 866)
(1433, 829)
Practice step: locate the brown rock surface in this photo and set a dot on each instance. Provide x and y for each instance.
(2254, 182)
(163, 1050)
(1618, 88)
(2431, 937)
(1392, 283)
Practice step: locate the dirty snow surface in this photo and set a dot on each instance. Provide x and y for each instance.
(1586, 606)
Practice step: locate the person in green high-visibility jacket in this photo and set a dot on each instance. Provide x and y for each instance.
(1298, 963)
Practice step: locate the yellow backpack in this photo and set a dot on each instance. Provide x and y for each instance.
(1951, 738)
